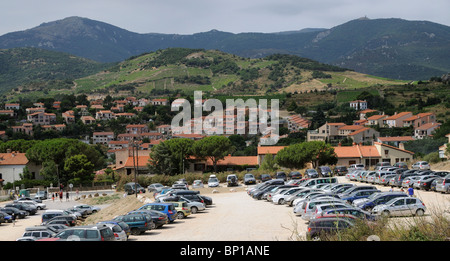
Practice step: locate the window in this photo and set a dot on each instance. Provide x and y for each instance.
(91, 233)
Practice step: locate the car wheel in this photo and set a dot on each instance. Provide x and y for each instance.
(281, 201)
(385, 213)
(180, 215)
(135, 231)
(153, 226)
(194, 210)
(420, 212)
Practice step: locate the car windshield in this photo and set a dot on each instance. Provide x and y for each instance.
(248, 176)
(213, 180)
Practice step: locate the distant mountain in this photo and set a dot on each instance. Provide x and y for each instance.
(393, 48)
(21, 66)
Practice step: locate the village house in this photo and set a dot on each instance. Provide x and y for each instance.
(104, 115)
(41, 118)
(376, 120)
(10, 113)
(395, 141)
(425, 130)
(397, 119)
(102, 137)
(336, 131)
(26, 128)
(296, 123)
(69, 116)
(358, 105)
(12, 106)
(443, 149)
(12, 166)
(158, 102)
(87, 119)
(419, 120)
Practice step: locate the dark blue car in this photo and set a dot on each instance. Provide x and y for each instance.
(358, 194)
(166, 208)
(377, 199)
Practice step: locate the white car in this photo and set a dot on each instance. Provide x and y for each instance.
(194, 206)
(403, 206)
(31, 202)
(279, 198)
(119, 233)
(213, 181)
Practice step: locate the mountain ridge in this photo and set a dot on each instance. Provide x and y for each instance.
(413, 50)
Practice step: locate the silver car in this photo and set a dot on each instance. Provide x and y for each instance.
(421, 165)
(319, 209)
(443, 185)
(402, 206)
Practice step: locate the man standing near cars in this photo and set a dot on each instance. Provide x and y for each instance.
(411, 191)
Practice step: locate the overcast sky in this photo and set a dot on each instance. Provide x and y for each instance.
(236, 16)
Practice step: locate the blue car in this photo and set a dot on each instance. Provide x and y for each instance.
(358, 194)
(376, 199)
(166, 208)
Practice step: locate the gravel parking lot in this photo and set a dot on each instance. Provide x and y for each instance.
(233, 217)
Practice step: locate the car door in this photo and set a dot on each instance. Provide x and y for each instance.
(410, 206)
(397, 207)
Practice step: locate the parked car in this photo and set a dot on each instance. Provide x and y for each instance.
(131, 188)
(421, 165)
(340, 170)
(138, 223)
(159, 219)
(182, 208)
(386, 179)
(198, 183)
(17, 212)
(281, 175)
(213, 181)
(376, 199)
(443, 184)
(232, 180)
(155, 187)
(401, 165)
(324, 171)
(402, 206)
(397, 181)
(425, 184)
(421, 179)
(320, 208)
(279, 199)
(295, 175)
(409, 181)
(265, 177)
(97, 232)
(71, 220)
(356, 166)
(382, 164)
(119, 233)
(306, 207)
(166, 208)
(89, 209)
(122, 224)
(356, 212)
(39, 232)
(433, 184)
(249, 179)
(321, 227)
(358, 195)
(355, 188)
(31, 209)
(41, 194)
(311, 173)
(39, 206)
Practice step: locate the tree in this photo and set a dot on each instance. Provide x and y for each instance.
(298, 155)
(180, 150)
(79, 169)
(214, 148)
(161, 160)
(268, 163)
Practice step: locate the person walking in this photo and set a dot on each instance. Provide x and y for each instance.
(67, 195)
(60, 195)
(411, 191)
(53, 197)
(13, 218)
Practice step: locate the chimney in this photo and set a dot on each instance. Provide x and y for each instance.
(401, 146)
(8, 150)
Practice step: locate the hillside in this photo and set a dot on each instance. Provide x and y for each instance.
(22, 66)
(390, 48)
(186, 70)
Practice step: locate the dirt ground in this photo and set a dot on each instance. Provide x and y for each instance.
(234, 216)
